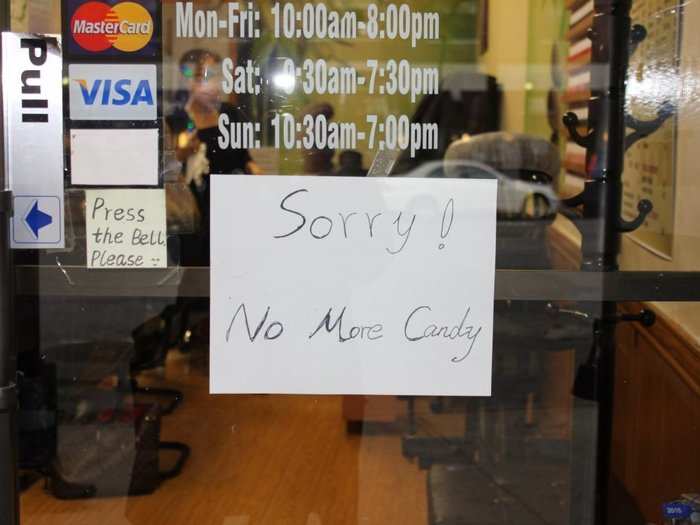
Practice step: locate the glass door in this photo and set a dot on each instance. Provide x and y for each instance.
(349, 263)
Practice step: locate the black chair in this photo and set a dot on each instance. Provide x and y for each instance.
(150, 350)
(65, 406)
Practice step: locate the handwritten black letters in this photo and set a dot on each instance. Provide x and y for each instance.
(420, 325)
(349, 224)
(126, 229)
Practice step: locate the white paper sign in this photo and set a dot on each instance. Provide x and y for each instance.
(125, 229)
(324, 285)
(114, 157)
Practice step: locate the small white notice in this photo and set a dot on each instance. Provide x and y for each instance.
(114, 157)
(324, 285)
(126, 229)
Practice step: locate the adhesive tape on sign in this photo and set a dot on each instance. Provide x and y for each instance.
(126, 26)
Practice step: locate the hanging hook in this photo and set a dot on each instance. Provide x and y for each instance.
(646, 317)
(573, 215)
(638, 34)
(569, 209)
(644, 207)
(571, 212)
(572, 122)
(643, 129)
(573, 202)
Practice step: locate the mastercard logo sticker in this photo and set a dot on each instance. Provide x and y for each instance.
(126, 26)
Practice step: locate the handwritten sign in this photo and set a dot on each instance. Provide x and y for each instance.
(324, 285)
(125, 229)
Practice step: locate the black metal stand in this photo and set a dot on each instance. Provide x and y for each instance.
(598, 208)
(596, 212)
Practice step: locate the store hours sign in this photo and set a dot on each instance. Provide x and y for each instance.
(324, 285)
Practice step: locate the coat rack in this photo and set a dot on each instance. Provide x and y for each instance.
(596, 212)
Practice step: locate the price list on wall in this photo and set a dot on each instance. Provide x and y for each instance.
(650, 169)
(380, 24)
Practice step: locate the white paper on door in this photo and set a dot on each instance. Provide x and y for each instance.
(126, 229)
(324, 285)
(114, 157)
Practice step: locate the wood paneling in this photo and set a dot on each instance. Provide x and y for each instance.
(578, 94)
(656, 430)
(579, 62)
(572, 5)
(580, 29)
(576, 166)
(657, 415)
(563, 253)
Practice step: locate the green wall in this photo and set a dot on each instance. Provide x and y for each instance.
(547, 25)
(457, 47)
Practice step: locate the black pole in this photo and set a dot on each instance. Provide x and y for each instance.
(600, 222)
(602, 199)
(9, 493)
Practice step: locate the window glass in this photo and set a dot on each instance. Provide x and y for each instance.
(594, 374)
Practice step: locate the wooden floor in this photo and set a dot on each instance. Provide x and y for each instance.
(277, 460)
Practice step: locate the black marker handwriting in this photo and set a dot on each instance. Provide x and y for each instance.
(459, 331)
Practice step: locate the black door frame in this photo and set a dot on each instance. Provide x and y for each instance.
(9, 493)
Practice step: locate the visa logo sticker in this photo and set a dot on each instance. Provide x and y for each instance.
(113, 92)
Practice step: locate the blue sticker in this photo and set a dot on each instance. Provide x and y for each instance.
(677, 510)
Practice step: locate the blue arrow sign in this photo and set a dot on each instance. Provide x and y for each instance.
(37, 219)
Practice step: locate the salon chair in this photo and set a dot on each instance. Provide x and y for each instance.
(110, 318)
(82, 367)
(150, 351)
(75, 425)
